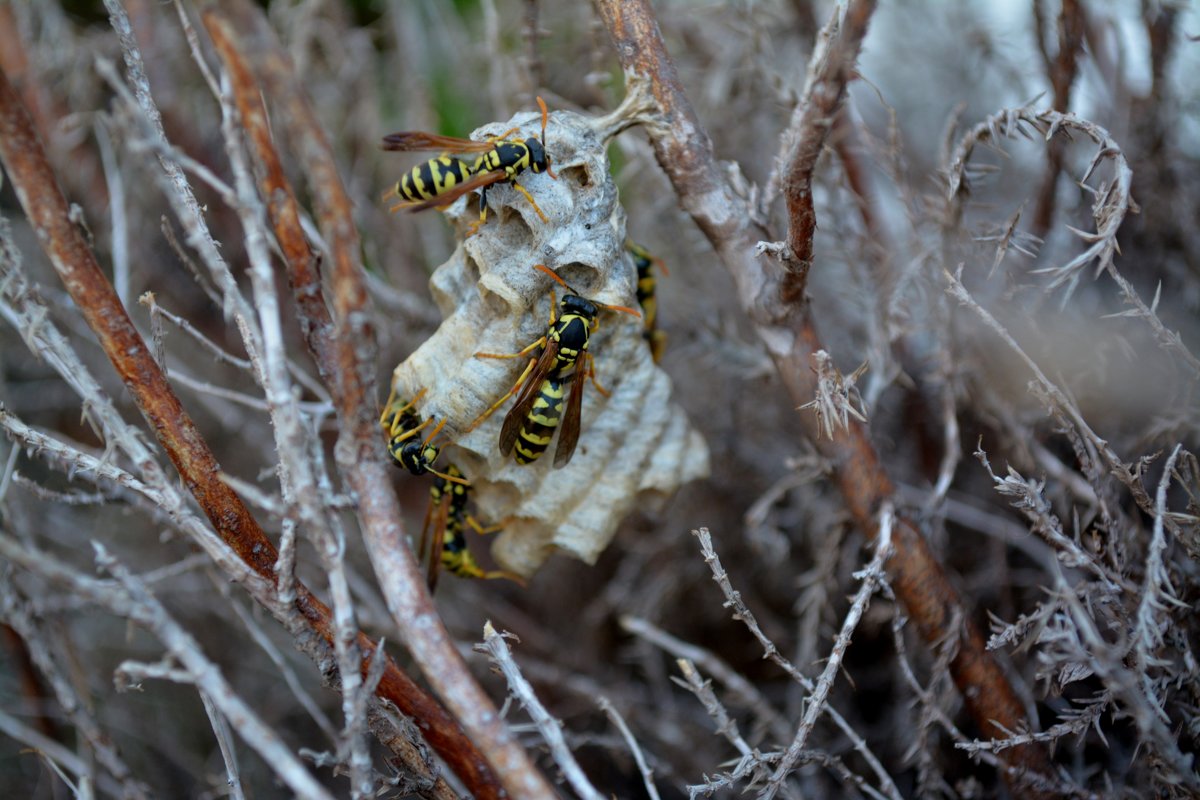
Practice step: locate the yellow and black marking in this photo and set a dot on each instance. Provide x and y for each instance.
(563, 357)
(448, 499)
(440, 181)
(539, 425)
(435, 177)
(401, 423)
(647, 297)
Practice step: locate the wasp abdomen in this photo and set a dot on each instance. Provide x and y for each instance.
(434, 177)
(542, 420)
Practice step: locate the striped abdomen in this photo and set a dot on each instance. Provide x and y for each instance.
(434, 177)
(542, 420)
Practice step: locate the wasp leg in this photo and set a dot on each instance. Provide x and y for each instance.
(591, 368)
(493, 574)
(529, 197)
(482, 531)
(396, 413)
(539, 342)
(477, 224)
(504, 135)
(387, 407)
(511, 392)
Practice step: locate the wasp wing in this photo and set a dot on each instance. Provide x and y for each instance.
(439, 537)
(411, 141)
(529, 394)
(568, 437)
(446, 198)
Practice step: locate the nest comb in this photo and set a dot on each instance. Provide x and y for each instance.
(635, 447)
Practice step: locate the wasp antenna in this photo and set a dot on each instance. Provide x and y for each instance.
(622, 309)
(545, 117)
(558, 279)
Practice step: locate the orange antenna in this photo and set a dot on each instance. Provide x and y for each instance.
(545, 118)
(574, 291)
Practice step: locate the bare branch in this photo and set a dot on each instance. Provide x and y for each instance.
(498, 653)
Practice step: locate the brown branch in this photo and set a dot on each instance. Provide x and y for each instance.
(830, 71)
(784, 324)
(46, 208)
(1061, 70)
(303, 262)
(351, 361)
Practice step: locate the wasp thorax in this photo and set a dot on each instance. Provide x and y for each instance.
(634, 444)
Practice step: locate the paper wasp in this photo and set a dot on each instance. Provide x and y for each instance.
(647, 288)
(442, 180)
(530, 424)
(402, 424)
(448, 513)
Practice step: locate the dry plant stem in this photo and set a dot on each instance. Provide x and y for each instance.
(208, 679)
(741, 688)
(296, 473)
(48, 214)
(359, 455)
(829, 72)
(1147, 637)
(1061, 71)
(50, 749)
(726, 726)
(787, 330)
(16, 612)
(128, 597)
(1112, 202)
(615, 717)
(301, 259)
(550, 728)
(220, 726)
(733, 600)
(872, 576)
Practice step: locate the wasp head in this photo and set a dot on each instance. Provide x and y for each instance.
(417, 457)
(573, 304)
(539, 159)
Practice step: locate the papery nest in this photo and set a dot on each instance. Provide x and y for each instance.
(636, 447)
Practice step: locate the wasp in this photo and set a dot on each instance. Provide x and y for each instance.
(647, 288)
(564, 358)
(448, 512)
(402, 424)
(442, 180)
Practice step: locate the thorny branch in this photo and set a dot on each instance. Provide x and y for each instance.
(1112, 203)
(498, 653)
(783, 322)
(47, 210)
(359, 456)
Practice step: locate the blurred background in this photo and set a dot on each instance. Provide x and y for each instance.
(939, 384)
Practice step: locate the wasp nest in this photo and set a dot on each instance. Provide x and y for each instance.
(635, 446)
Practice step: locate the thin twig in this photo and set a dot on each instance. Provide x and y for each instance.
(615, 717)
(872, 576)
(359, 456)
(787, 330)
(550, 728)
(239, 533)
(829, 71)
